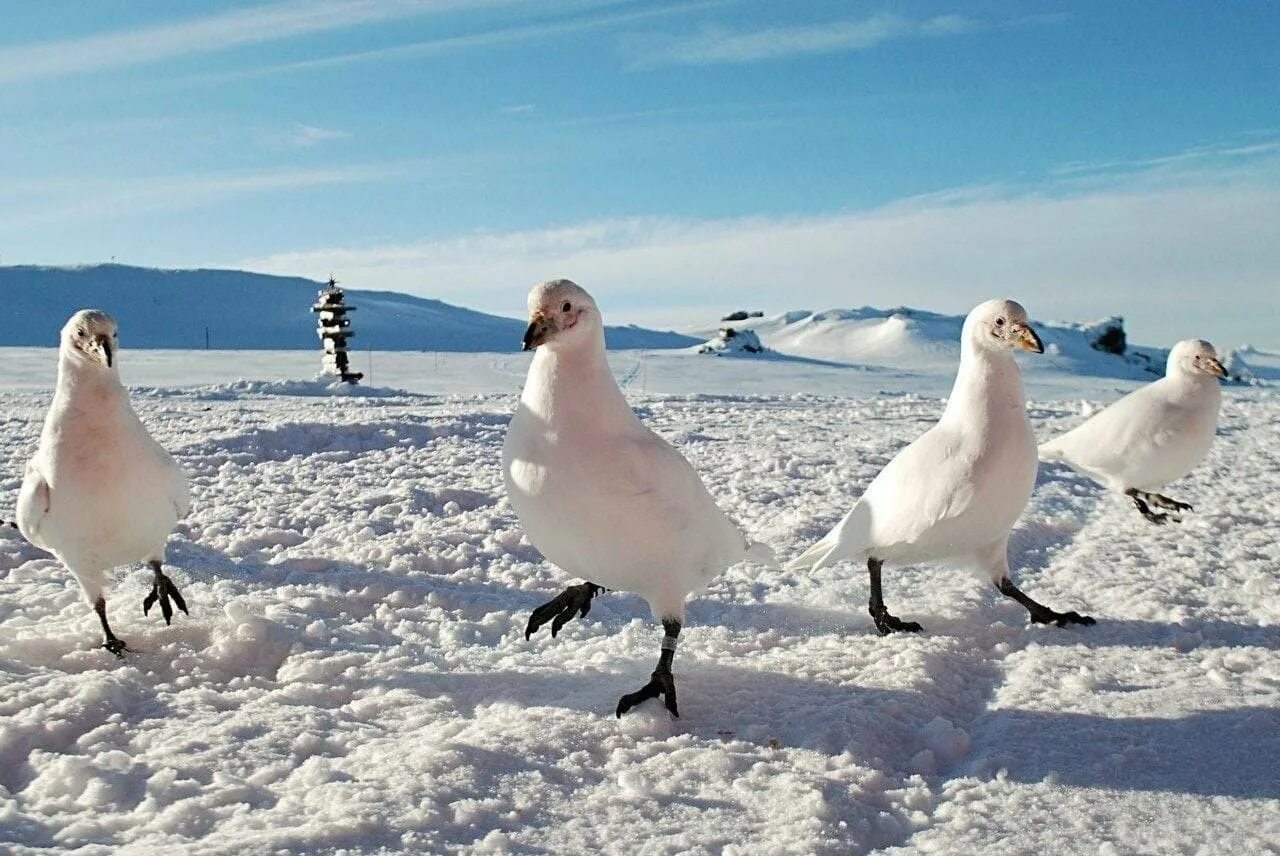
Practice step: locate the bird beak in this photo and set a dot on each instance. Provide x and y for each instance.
(1215, 367)
(1027, 340)
(104, 347)
(539, 330)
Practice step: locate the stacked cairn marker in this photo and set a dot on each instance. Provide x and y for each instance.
(334, 328)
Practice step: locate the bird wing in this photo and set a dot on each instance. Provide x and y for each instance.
(1111, 440)
(662, 493)
(926, 483)
(35, 498)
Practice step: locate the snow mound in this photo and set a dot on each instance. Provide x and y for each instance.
(1249, 365)
(730, 340)
(917, 339)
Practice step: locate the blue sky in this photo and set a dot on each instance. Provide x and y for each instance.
(677, 158)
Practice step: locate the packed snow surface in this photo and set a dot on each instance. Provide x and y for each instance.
(354, 677)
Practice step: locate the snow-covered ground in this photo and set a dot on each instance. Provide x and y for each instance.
(353, 676)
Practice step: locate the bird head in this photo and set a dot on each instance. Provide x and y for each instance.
(90, 335)
(1001, 325)
(1194, 358)
(561, 315)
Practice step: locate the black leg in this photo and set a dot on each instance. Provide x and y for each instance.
(661, 682)
(562, 607)
(162, 590)
(1041, 614)
(1144, 509)
(885, 623)
(112, 643)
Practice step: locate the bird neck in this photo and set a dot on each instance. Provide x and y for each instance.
(1185, 386)
(576, 387)
(84, 385)
(988, 387)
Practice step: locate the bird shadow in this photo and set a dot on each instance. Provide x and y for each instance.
(1185, 635)
(1206, 753)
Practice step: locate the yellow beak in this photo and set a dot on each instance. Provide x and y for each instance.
(1028, 340)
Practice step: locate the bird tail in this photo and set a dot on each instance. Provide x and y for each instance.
(1051, 451)
(761, 553)
(817, 556)
(849, 538)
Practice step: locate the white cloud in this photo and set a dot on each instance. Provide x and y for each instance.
(252, 25)
(1199, 258)
(723, 45)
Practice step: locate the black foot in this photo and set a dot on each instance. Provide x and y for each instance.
(562, 607)
(886, 623)
(1161, 501)
(661, 683)
(1062, 619)
(1041, 614)
(162, 590)
(1158, 518)
(116, 646)
(1143, 502)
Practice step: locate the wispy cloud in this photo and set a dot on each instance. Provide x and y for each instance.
(66, 200)
(449, 44)
(515, 109)
(1164, 254)
(253, 25)
(306, 136)
(1207, 154)
(724, 45)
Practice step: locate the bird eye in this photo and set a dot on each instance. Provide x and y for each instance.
(999, 322)
(567, 306)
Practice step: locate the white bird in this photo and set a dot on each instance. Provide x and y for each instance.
(1154, 435)
(954, 493)
(100, 491)
(601, 495)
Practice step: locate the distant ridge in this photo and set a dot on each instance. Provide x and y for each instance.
(160, 308)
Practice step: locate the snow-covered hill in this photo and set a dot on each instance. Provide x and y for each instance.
(918, 339)
(242, 310)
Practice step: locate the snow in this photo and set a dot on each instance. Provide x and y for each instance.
(354, 676)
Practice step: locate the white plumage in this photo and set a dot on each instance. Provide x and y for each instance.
(597, 492)
(1154, 435)
(954, 493)
(100, 492)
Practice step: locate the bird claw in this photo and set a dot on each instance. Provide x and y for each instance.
(661, 683)
(116, 646)
(886, 624)
(164, 590)
(562, 607)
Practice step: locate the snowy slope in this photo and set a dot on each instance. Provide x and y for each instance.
(353, 677)
(172, 308)
(908, 338)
